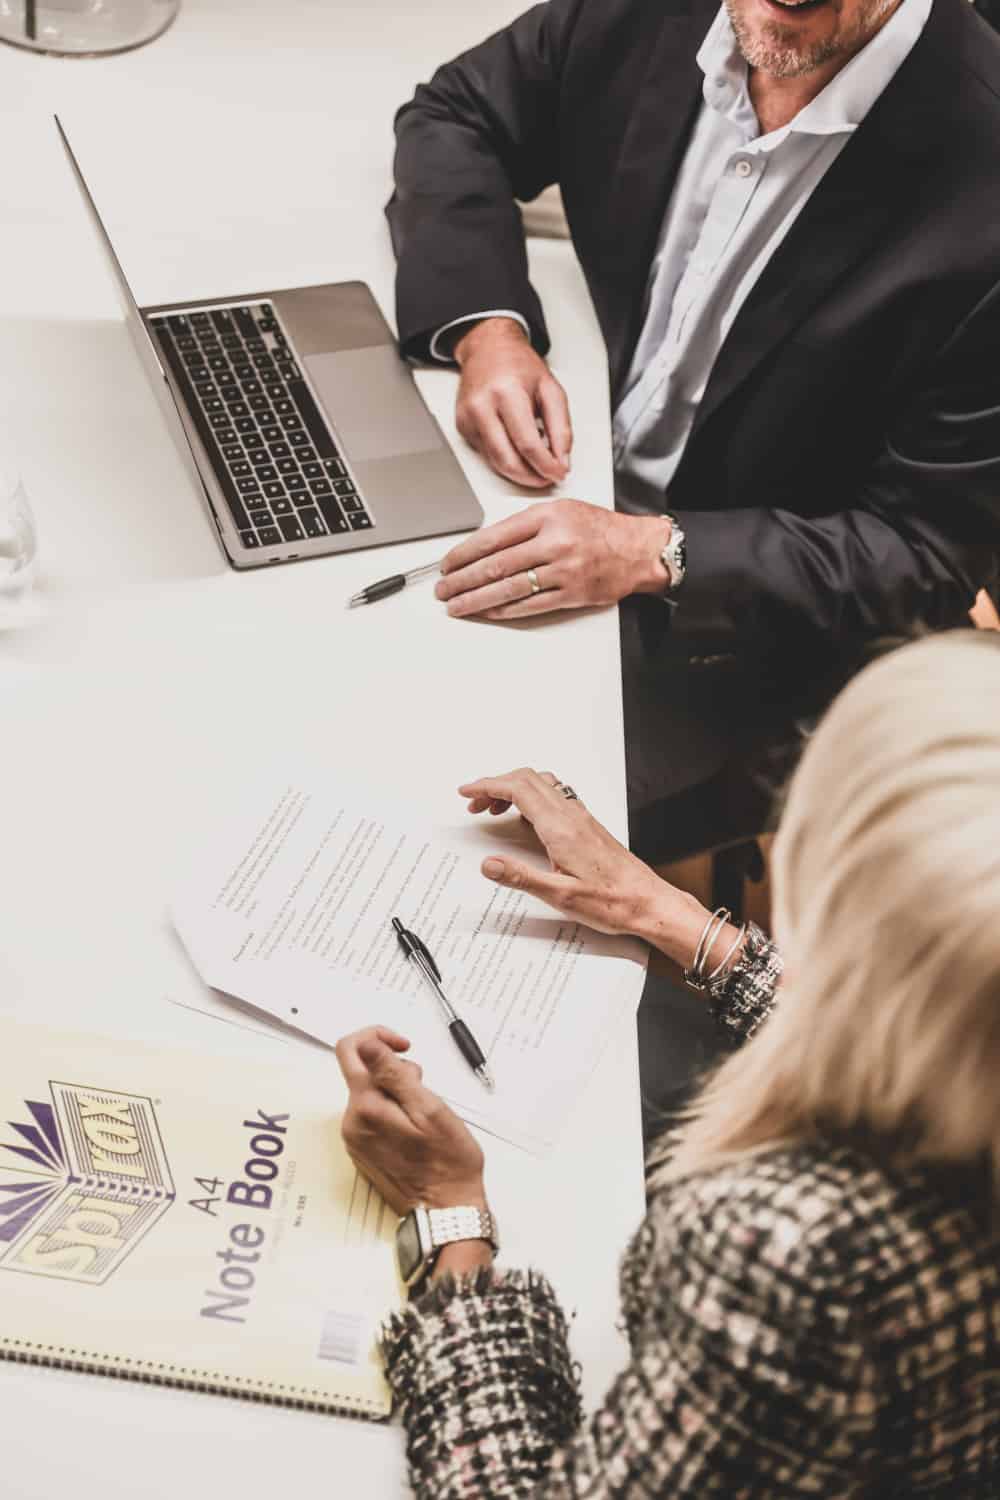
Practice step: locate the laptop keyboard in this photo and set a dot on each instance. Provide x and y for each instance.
(279, 468)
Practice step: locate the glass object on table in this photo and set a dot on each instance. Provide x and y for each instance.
(84, 28)
(18, 538)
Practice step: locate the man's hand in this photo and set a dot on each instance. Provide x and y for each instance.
(399, 1135)
(582, 555)
(505, 392)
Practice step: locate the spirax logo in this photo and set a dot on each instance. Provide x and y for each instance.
(98, 1181)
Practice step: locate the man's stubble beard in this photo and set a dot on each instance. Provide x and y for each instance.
(772, 50)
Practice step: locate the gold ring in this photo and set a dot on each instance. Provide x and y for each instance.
(532, 577)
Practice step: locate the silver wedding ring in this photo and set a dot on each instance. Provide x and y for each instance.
(532, 577)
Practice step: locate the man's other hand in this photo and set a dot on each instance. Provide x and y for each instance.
(510, 406)
(579, 554)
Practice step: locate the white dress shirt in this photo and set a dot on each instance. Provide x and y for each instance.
(736, 197)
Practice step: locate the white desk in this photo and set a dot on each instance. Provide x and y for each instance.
(151, 668)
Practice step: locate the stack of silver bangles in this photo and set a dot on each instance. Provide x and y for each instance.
(696, 978)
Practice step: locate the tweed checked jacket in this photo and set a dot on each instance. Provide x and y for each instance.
(802, 1323)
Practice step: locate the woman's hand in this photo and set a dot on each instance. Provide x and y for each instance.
(593, 878)
(404, 1139)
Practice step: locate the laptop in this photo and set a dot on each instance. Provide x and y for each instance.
(297, 417)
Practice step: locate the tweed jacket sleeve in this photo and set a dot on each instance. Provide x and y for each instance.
(741, 1368)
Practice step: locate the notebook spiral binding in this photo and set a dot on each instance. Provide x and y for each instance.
(180, 1377)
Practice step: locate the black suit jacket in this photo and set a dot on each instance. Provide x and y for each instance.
(842, 480)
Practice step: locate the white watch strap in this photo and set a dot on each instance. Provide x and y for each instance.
(450, 1224)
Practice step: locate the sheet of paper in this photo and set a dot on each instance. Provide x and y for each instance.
(288, 907)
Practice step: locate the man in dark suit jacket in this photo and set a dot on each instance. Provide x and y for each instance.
(839, 477)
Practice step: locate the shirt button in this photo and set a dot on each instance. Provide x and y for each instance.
(743, 167)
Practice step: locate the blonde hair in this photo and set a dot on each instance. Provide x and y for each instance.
(887, 910)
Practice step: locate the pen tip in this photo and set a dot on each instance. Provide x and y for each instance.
(486, 1078)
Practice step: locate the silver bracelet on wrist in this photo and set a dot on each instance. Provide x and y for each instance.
(730, 953)
(694, 977)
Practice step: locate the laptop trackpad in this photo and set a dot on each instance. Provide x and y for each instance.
(372, 402)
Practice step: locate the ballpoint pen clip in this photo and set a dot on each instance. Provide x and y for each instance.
(410, 943)
(425, 952)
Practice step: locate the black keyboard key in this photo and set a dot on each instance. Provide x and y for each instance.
(179, 324)
(331, 513)
(246, 424)
(361, 521)
(249, 539)
(241, 469)
(321, 487)
(289, 370)
(210, 346)
(284, 408)
(285, 465)
(311, 523)
(280, 450)
(233, 451)
(275, 390)
(215, 440)
(290, 528)
(198, 373)
(351, 502)
(274, 490)
(243, 371)
(343, 487)
(306, 455)
(222, 320)
(267, 474)
(313, 470)
(269, 535)
(244, 322)
(310, 414)
(291, 424)
(205, 388)
(200, 320)
(261, 459)
(294, 483)
(250, 387)
(256, 452)
(238, 409)
(230, 392)
(335, 468)
(232, 343)
(213, 403)
(282, 507)
(298, 440)
(259, 403)
(187, 345)
(193, 356)
(219, 418)
(261, 517)
(219, 364)
(271, 434)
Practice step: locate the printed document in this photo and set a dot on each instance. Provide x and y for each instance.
(288, 907)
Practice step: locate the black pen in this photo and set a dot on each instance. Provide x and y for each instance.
(387, 586)
(460, 1033)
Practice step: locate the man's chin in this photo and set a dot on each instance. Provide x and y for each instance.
(779, 52)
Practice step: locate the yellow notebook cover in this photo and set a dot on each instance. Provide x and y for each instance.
(188, 1219)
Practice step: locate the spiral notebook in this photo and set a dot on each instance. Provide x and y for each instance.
(186, 1219)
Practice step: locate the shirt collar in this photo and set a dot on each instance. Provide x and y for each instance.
(839, 108)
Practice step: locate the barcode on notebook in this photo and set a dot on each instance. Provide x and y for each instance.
(340, 1339)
